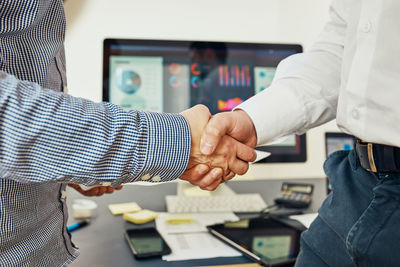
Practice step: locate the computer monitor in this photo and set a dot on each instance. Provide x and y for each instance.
(171, 76)
(335, 141)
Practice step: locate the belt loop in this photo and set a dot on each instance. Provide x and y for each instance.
(371, 158)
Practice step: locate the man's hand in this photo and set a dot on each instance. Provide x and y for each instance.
(236, 124)
(95, 191)
(229, 158)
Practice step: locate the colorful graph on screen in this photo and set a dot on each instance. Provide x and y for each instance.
(174, 68)
(234, 75)
(229, 104)
(128, 81)
(174, 71)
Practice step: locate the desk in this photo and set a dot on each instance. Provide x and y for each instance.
(102, 243)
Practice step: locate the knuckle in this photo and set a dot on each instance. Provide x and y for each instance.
(212, 130)
(203, 108)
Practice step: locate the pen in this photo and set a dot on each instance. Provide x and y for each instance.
(77, 225)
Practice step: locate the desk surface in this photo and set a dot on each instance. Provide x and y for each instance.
(101, 243)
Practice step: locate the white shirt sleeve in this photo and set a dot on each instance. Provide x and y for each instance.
(305, 89)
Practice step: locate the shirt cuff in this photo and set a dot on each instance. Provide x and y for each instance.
(168, 147)
(276, 112)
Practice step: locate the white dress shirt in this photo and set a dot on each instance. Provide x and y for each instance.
(352, 73)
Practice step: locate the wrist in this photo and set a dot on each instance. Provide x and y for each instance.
(245, 120)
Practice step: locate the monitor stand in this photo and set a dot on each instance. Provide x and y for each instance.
(186, 189)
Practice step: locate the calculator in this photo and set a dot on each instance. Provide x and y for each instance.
(295, 195)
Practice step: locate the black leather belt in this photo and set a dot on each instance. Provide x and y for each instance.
(378, 158)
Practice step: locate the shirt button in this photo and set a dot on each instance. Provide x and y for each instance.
(366, 27)
(156, 178)
(105, 183)
(63, 194)
(145, 177)
(355, 113)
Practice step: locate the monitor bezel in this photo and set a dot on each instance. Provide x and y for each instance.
(287, 158)
(274, 158)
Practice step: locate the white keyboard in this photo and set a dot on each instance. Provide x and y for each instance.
(221, 203)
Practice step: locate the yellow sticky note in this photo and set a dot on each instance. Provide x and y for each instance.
(238, 224)
(179, 219)
(121, 208)
(140, 217)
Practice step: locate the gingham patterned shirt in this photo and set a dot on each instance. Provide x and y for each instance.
(48, 138)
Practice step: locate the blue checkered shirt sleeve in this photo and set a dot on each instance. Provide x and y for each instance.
(50, 136)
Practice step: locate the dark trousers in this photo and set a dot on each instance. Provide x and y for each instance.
(359, 222)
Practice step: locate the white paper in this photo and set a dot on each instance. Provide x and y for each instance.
(192, 240)
(305, 219)
(261, 155)
(188, 246)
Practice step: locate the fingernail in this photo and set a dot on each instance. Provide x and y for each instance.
(202, 169)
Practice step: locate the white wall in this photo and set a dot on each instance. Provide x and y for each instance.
(282, 21)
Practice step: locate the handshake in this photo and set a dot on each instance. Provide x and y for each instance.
(221, 146)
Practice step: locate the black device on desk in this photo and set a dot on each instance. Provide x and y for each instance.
(146, 242)
(270, 241)
(295, 195)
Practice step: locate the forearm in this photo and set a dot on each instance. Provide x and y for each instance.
(294, 103)
(49, 136)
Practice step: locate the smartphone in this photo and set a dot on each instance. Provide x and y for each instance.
(146, 242)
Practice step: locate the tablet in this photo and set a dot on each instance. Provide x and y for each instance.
(267, 240)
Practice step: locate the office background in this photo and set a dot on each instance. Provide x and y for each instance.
(270, 21)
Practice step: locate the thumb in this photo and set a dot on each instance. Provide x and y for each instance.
(218, 126)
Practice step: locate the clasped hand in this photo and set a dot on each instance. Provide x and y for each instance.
(221, 146)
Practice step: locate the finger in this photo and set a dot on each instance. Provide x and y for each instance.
(195, 173)
(229, 176)
(119, 187)
(92, 192)
(217, 127)
(89, 193)
(109, 190)
(245, 152)
(102, 190)
(212, 176)
(214, 185)
(238, 166)
(78, 188)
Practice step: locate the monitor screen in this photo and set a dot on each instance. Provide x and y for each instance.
(335, 141)
(171, 76)
(338, 141)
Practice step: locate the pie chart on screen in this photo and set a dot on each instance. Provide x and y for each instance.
(129, 81)
(174, 82)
